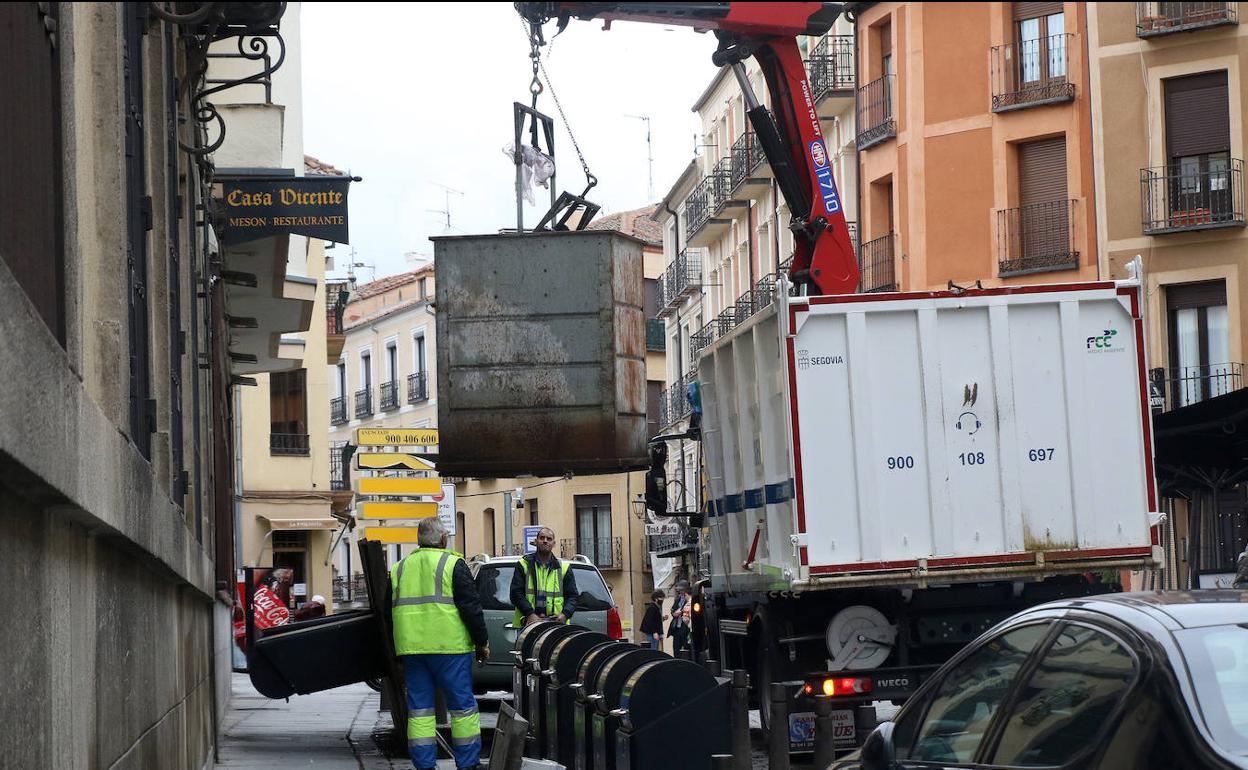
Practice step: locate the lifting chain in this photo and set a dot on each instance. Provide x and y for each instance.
(536, 41)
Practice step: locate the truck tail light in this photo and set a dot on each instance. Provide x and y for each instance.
(837, 686)
(615, 629)
(697, 607)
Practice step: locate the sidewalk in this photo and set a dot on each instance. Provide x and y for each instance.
(329, 731)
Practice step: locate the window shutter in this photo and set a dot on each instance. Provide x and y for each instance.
(1189, 295)
(1042, 171)
(1035, 10)
(1197, 115)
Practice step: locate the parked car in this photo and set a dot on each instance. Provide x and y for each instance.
(595, 610)
(1138, 681)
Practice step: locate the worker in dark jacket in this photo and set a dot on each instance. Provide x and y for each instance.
(652, 622)
(438, 625)
(543, 588)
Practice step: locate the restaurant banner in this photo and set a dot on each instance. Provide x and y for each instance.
(315, 206)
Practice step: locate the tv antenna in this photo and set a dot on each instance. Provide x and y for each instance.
(446, 211)
(649, 157)
(352, 265)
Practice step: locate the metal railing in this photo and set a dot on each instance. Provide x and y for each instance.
(683, 276)
(336, 294)
(417, 387)
(876, 121)
(265, 82)
(1037, 238)
(389, 395)
(604, 552)
(1179, 197)
(1186, 385)
(674, 402)
(721, 182)
(659, 544)
(517, 549)
(337, 469)
(1031, 72)
(363, 403)
(350, 589)
(747, 155)
(293, 444)
(702, 338)
(1153, 19)
(831, 65)
(876, 269)
(656, 337)
(337, 411)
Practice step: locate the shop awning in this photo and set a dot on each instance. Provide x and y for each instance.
(305, 523)
(1206, 441)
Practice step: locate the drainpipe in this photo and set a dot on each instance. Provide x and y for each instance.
(852, 17)
(680, 352)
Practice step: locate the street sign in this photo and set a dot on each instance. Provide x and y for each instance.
(662, 529)
(401, 486)
(396, 436)
(446, 507)
(390, 534)
(391, 461)
(530, 534)
(398, 510)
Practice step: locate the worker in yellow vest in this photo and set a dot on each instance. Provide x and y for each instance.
(543, 588)
(438, 625)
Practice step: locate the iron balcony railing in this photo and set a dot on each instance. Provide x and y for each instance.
(417, 387)
(721, 182)
(747, 156)
(1192, 196)
(337, 469)
(604, 552)
(337, 411)
(702, 338)
(674, 402)
(699, 205)
(665, 297)
(1186, 385)
(294, 444)
(831, 65)
(1031, 72)
(656, 337)
(683, 276)
(389, 396)
(1037, 238)
(363, 403)
(876, 265)
(336, 294)
(663, 544)
(350, 589)
(1153, 19)
(876, 121)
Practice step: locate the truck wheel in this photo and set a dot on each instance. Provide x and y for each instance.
(766, 669)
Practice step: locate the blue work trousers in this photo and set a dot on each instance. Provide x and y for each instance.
(452, 674)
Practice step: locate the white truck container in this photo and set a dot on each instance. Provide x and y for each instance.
(889, 475)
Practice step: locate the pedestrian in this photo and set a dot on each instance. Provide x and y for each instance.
(679, 629)
(652, 621)
(436, 632)
(543, 588)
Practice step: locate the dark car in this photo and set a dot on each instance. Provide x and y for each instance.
(1138, 681)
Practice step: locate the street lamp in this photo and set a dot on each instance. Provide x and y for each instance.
(639, 506)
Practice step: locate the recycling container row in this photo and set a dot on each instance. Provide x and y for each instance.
(597, 704)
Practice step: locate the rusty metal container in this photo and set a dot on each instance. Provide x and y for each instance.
(541, 354)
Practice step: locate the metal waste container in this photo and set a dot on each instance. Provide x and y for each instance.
(521, 651)
(559, 676)
(585, 696)
(610, 686)
(663, 693)
(534, 680)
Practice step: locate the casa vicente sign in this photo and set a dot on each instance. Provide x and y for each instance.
(253, 208)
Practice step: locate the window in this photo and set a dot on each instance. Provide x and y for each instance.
(652, 297)
(392, 362)
(342, 379)
(654, 399)
(1200, 364)
(962, 705)
(1068, 699)
(288, 413)
(531, 504)
(423, 288)
(886, 48)
(366, 369)
(420, 353)
(1218, 659)
(1038, 234)
(491, 539)
(593, 529)
(1198, 148)
(1040, 29)
(461, 534)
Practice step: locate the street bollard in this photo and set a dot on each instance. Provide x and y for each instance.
(778, 739)
(739, 719)
(865, 721)
(721, 762)
(825, 733)
(713, 666)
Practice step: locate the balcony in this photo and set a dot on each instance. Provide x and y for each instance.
(338, 480)
(604, 552)
(682, 278)
(336, 295)
(417, 387)
(875, 265)
(1031, 73)
(349, 590)
(656, 337)
(747, 167)
(337, 411)
(831, 68)
(288, 444)
(673, 545)
(1155, 19)
(389, 396)
(1037, 238)
(701, 339)
(674, 402)
(1187, 385)
(364, 404)
(1192, 196)
(704, 204)
(876, 122)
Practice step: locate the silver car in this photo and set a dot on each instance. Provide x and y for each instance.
(595, 610)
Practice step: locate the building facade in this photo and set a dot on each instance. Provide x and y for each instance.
(1168, 95)
(974, 144)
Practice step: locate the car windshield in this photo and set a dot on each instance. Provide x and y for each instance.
(1218, 659)
(494, 586)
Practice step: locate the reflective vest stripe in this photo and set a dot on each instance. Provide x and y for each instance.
(424, 600)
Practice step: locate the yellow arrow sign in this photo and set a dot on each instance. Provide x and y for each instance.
(390, 534)
(396, 436)
(407, 486)
(398, 510)
(391, 461)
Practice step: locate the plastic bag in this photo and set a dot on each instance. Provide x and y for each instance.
(538, 167)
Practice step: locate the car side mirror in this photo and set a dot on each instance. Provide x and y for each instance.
(877, 749)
